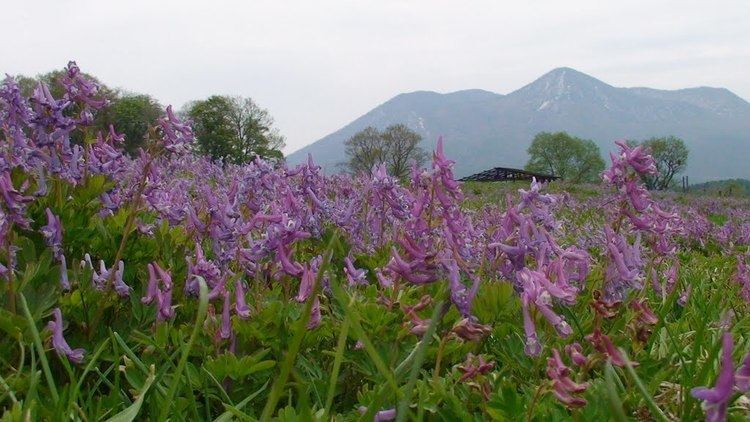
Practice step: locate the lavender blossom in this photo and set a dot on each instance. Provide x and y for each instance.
(381, 416)
(243, 311)
(176, 135)
(354, 276)
(64, 282)
(58, 341)
(564, 388)
(716, 399)
(225, 331)
(53, 233)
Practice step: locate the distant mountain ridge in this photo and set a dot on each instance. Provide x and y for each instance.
(483, 129)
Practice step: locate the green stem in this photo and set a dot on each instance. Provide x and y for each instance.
(655, 410)
(291, 354)
(202, 310)
(336, 366)
(40, 348)
(437, 317)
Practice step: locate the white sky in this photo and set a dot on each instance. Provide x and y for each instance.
(317, 65)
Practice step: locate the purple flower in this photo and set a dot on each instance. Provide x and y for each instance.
(80, 89)
(354, 276)
(716, 399)
(53, 233)
(742, 377)
(243, 311)
(226, 322)
(122, 289)
(176, 135)
(162, 296)
(471, 330)
(381, 416)
(153, 285)
(575, 351)
(742, 276)
(315, 316)
(604, 345)
(58, 341)
(64, 283)
(203, 268)
(473, 367)
(563, 387)
(306, 284)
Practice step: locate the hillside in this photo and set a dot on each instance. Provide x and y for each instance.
(484, 129)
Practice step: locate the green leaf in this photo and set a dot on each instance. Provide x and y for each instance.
(131, 412)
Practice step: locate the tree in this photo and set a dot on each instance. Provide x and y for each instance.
(396, 147)
(402, 148)
(131, 115)
(670, 155)
(559, 154)
(234, 129)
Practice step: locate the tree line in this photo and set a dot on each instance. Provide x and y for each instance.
(230, 129)
(559, 154)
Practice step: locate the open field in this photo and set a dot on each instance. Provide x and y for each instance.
(168, 286)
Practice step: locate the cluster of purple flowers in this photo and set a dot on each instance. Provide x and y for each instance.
(261, 221)
(716, 399)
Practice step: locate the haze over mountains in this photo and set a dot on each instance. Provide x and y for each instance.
(482, 129)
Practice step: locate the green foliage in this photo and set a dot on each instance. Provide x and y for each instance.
(132, 115)
(670, 155)
(360, 355)
(573, 159)
(234, 129)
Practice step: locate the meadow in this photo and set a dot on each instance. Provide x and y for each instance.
(166, 286)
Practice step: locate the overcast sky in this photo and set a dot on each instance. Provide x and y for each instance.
(317, 65)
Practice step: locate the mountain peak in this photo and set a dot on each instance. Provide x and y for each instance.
(484, 130)
(561, 82)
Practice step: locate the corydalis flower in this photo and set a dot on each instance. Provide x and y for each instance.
(240, 306)
(155, 292)
(575, 351)
(176, 134)
(716, 399)
(225, 331)
(315, 316)
(604, 345)
(354, 276)
(536, 292)
(80, 89)
(64, 282)
(563, 387)
(742, 377)
(470, 330)
(53, 233)
(382, 416)
(474, 366)
(625, 267)
(201, 267)
(101, 278)
(58, 341)
(742, 276)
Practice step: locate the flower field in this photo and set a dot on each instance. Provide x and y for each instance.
(166, 286)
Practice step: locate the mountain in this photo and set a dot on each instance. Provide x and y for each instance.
(482, 129)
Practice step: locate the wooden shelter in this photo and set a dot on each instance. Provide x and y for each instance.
(499, 174)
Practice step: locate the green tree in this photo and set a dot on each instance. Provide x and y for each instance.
(234, 129)
(559, 154)
(670, 155)
(131, 115)
(397, 146)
